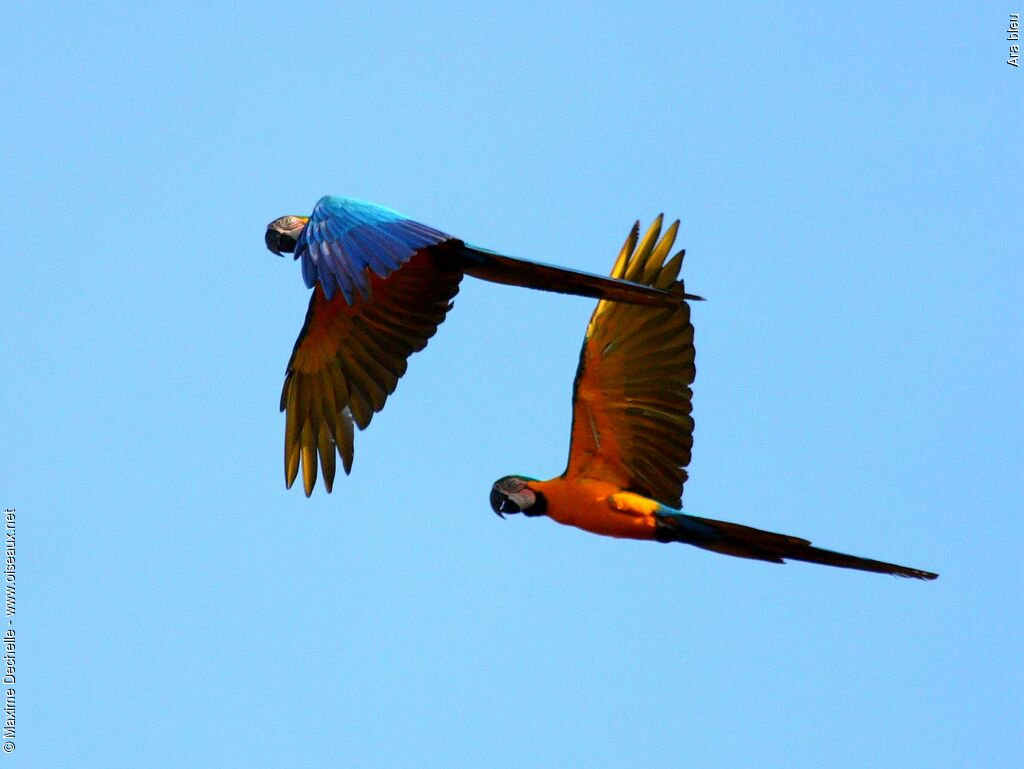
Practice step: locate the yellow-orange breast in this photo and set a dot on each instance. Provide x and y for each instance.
(598, 507)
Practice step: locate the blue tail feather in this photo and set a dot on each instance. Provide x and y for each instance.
(747, 542)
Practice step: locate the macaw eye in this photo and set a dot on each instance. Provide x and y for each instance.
(512, 485)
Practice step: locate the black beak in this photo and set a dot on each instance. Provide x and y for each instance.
(502, 504)
(278, 242)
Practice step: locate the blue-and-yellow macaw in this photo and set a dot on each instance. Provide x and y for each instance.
(632, 431)
(382, 283)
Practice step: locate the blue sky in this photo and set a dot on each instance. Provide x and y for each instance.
(849, 186)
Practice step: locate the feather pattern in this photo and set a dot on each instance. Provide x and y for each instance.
(349, 357)
(346, 240)
(631, 398)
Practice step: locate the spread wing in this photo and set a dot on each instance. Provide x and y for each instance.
(345, 236)
(348, 359)
(631, 422)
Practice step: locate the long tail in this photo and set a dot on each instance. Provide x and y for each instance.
(497, 268)
(747, 542)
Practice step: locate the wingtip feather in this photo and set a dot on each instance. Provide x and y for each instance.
(619, 268)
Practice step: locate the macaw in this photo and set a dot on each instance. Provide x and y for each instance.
(632, 432)
(382, 284)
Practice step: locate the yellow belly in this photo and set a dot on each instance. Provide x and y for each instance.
(598, 507)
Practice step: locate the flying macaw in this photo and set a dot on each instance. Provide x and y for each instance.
(382, 284)
(632, 431)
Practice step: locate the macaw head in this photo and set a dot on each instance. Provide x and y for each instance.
(283, 233)
(511, 494)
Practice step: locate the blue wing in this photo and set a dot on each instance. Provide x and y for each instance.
(346, 236)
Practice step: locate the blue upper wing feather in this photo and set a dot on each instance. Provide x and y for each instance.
(345, 237)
